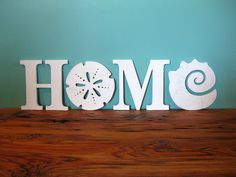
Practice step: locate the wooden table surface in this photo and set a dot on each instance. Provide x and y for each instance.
(117, 143)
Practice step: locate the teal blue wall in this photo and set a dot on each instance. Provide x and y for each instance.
(102, 30)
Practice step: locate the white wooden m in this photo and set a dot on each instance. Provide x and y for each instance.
(156, 69)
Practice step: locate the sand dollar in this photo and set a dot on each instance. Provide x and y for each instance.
(89, 85)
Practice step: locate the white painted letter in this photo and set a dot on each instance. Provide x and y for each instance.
(156, 68)
(32, 85)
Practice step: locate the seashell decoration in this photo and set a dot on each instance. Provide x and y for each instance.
(192, 85)
(90, 85)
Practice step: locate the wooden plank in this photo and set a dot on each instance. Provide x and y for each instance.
(117, 143)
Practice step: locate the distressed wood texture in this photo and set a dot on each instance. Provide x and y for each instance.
(117, 143)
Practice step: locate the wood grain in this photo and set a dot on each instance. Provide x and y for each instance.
(117, 143)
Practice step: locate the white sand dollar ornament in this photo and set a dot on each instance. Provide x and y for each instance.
(90, 85)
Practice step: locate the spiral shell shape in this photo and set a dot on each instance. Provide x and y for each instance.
(192, 85)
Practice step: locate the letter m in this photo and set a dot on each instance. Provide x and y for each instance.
(156, 69)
